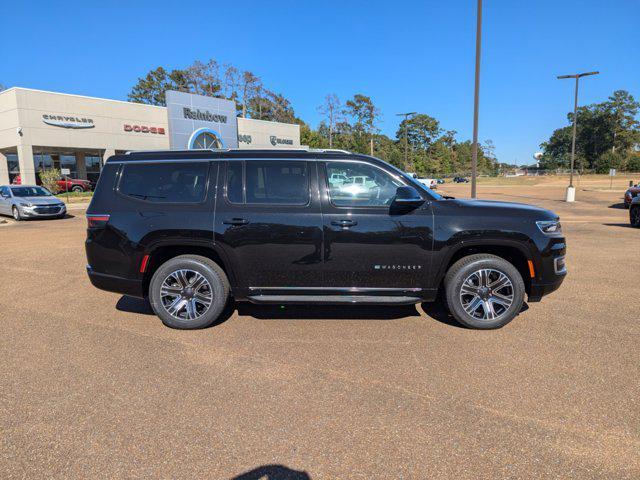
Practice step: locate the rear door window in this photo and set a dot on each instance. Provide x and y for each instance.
(178, 182)
(268, 182)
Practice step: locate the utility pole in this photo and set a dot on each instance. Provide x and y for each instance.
(476, 102)
(571, 191)
(406, 136)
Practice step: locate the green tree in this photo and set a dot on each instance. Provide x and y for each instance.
(365, 116)
(608, 126)
(151, 88)
(421, 130)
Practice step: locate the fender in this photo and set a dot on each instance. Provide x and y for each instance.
(180, 243)
(447, 250)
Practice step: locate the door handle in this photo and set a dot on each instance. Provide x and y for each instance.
(236, 221)
(344, 223)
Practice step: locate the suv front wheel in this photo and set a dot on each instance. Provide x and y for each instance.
(484, 291)
(188, 291)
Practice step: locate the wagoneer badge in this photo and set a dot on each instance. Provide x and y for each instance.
(66, 121)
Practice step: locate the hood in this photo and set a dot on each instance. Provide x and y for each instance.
(508, 208)
(39, 200)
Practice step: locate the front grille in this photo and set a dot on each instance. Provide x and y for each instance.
(47, 209)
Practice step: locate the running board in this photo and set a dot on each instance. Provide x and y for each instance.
(336, 299)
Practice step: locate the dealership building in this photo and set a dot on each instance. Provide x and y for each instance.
(40, 130)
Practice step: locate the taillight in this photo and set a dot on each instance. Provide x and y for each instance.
(97, 221)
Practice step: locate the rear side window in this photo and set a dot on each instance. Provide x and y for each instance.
(165, 182)
(269, 182)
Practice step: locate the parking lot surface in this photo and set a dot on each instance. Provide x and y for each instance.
(94, 386)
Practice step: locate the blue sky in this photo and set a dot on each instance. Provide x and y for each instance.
(408, 56)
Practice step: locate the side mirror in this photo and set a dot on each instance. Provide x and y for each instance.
(408, 196)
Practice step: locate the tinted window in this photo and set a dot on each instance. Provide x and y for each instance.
(234, 182)
(165, 182)
(4, 191)
(30, 192)
(354, 184)
(277, 182)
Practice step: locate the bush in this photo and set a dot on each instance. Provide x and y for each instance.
(49, 179)
(611, 160)
(633, 162)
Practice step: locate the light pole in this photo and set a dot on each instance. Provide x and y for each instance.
(476, 102)
(406, 136)
(571, 191)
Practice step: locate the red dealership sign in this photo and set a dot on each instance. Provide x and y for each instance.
(144, 129)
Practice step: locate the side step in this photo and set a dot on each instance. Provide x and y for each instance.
(336, 299)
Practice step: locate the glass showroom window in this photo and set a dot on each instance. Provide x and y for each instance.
(69, 161)
(13, 165)
(93, 163)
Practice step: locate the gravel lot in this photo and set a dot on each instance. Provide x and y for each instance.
(94, 386)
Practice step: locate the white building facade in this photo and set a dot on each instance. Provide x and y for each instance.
(41, 130)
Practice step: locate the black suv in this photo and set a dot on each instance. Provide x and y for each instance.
(190, 229)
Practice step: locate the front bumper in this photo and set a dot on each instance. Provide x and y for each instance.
(42, 211)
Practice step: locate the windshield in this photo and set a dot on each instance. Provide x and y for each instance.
(415, 183)
(30, 192)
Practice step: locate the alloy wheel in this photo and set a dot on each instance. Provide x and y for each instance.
(186, 294)
(486, 294)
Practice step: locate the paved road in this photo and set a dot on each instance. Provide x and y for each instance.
(92, 385)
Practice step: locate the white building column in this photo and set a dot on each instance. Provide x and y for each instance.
(27, 166)
(4, 169)
(107, 154)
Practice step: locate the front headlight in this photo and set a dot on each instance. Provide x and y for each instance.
(26, 204)
(552, 228)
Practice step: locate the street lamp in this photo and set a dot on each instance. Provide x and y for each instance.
(406, 136)
(476, 102)
(571, 191)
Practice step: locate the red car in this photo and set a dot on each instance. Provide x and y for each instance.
(630, 194)
(64, 185)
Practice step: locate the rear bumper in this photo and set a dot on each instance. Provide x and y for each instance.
(112, 283)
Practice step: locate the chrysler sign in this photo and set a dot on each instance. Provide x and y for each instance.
(67, 121)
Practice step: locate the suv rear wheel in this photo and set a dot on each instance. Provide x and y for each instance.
(484, 291)
(634, 215)
(188, 291)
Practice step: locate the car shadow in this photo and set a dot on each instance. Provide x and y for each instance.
(620, 206)
(624, 225)
(439, 312)
(326, 312)
(273, 472)
(141, 306)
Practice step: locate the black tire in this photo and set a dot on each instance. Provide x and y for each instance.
(492, 303)
(15, 211)
(218, 286)
(77, 188)
(634, 216)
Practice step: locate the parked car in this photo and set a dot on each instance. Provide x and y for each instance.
(64, 184)
(630, 194)
(189, 230)
(30, 201)
(440, 181)
(634, 212)
(460, 180)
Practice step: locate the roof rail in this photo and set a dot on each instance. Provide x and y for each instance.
(128, 152)
(329, 150)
